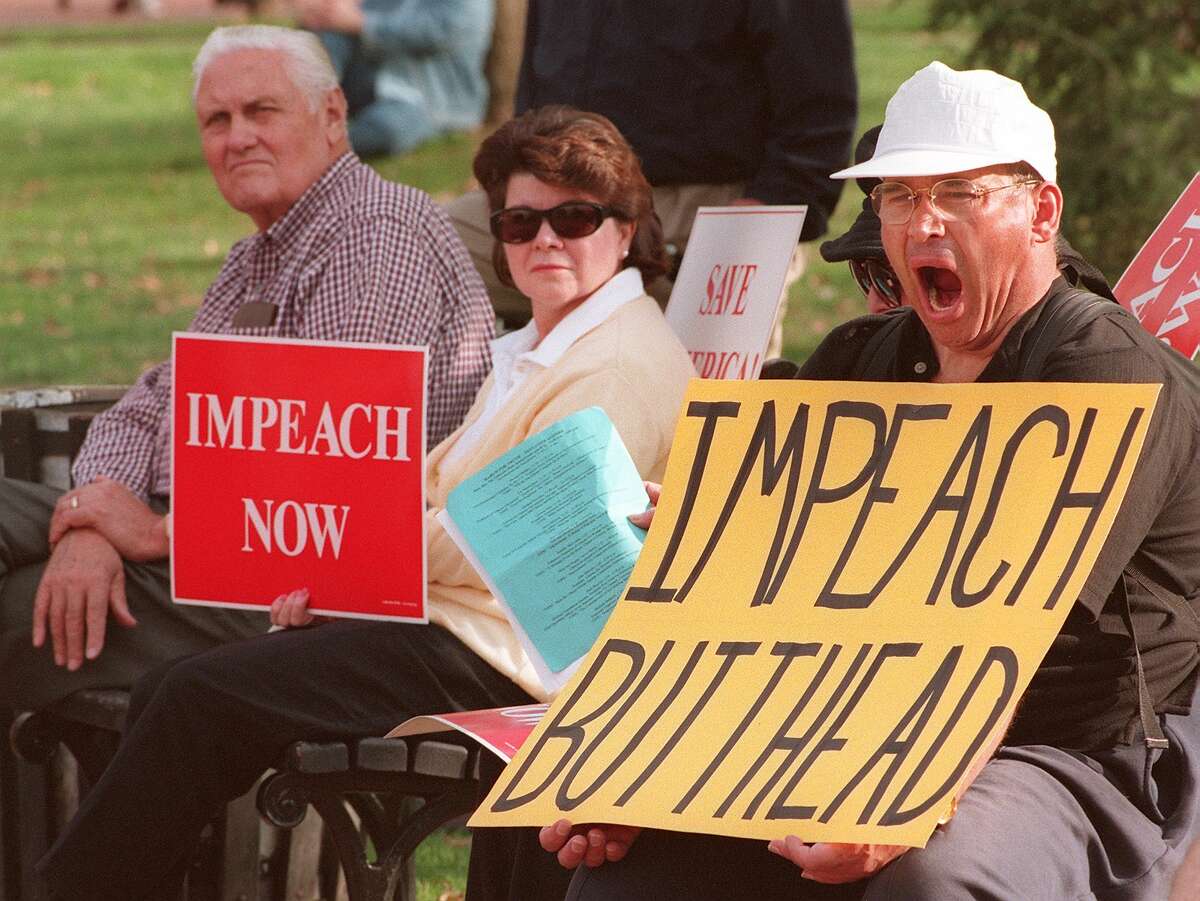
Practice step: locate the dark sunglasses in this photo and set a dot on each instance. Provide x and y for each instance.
(877, 274)
(573, 219)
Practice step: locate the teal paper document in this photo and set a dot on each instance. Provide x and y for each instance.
(546, 526)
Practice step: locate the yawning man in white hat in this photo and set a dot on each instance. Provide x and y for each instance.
(1094, 790)
(968, 208)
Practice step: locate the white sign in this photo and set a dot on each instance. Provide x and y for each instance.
(727, 293)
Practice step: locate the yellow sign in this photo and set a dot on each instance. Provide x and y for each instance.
(845, 591)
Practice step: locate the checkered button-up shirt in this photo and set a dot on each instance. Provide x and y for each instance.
(356, 258)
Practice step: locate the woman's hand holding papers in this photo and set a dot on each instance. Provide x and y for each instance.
(590, 844)
(642, 520)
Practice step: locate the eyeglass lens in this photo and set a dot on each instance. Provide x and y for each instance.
(574, 219)
(956, 199)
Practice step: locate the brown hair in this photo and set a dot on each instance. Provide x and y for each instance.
(569, 148)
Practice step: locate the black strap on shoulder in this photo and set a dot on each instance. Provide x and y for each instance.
(1176, 602)
(1152, 732)
(1065, 313)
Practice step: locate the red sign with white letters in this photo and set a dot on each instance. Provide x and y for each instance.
(1162, 284)
(299, 464)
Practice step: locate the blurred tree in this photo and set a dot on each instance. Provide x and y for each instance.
(1121, 80)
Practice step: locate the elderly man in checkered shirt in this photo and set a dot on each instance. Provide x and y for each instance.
(340, 254)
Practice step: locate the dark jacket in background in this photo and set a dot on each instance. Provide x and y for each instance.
(708, 91)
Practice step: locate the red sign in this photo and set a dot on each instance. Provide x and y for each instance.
(299, 464)
(1162, 284)
(502, 730)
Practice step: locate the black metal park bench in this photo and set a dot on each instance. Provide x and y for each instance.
(377, 799)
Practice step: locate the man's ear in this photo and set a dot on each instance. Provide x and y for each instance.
(333, 116)
(1047, 212)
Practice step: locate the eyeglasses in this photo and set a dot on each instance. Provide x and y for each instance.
(955, 199)
(878, 275)
(573, 219)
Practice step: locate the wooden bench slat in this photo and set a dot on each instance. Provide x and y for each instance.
(439, 758)
(315, 758)
(382, 755)
(61, 395)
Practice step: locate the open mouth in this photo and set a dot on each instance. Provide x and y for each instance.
(942, 286)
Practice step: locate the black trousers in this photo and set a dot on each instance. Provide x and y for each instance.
(204, 728)
(509, 864)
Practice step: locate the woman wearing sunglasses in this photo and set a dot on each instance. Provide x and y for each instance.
(577, 234)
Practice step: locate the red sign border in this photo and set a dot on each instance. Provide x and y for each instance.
(423, 350)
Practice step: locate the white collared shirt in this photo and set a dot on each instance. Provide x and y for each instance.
(518, 355)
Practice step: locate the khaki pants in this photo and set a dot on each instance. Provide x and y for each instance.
(676, 206)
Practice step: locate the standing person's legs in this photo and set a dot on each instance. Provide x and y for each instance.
(390, 126)
(795, 272)
(355, 71)
(29, 677)
(676, 207)
(217, 720)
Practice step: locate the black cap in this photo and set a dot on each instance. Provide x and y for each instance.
(861, 241)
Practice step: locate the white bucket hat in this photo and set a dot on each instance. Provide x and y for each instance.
(942, 121)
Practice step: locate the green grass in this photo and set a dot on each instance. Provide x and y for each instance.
(441, 863)
(111, 227)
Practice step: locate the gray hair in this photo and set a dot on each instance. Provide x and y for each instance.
(306, 61)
